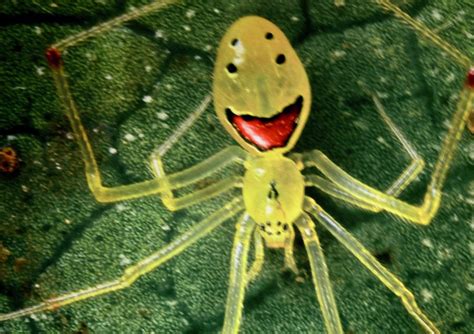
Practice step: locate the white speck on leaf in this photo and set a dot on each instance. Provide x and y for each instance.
(187, 28)
(130, 137)
(426, 295)
(338, 54)
(112, 150)
(163, 116)
(172, 303)
(436, 15)
(40, 70)
(147, 99)
(471, 248)
(121, 207)
(190, 13)
(427, 242)
(124, 261)
(159, 33)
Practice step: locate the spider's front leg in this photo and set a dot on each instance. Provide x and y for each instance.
(145, 188)
(372, 197)
(407, 176)
(352, 188)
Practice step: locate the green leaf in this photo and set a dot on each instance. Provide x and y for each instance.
(135, 84)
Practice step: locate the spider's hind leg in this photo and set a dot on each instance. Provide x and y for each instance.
(131, 274)
(320, 275)
(259, 257)
(238, 275)
(371, 263)
(290, 262)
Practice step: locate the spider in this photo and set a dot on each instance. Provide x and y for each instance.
(262, 98)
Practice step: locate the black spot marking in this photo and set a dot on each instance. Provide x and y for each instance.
(280, 59)
(285, 227)
(234, 42)
(269, 35)
(231, 68)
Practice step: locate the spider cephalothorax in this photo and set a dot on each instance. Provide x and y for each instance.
(278, 200)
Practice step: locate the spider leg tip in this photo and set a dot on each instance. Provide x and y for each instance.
(54, 58)
(470, 78)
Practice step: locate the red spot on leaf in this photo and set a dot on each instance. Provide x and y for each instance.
(8, 160)
(53, 56)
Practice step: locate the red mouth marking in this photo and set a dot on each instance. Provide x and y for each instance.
(268, 133)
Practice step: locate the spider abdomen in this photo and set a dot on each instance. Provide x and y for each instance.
(273, 191)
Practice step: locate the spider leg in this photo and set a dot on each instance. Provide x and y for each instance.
(404, 179)
(131, 274)
(140, 189)
(289, 258)
(105, 26)
(319, 272)
(418, 214)
(238, 273)
(257, 264)
(424, 31)
(417, 164)
(335, 191)
(371, 263)
(181, 129)
(173, 203)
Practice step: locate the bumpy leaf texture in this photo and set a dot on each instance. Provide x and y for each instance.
(134, 85)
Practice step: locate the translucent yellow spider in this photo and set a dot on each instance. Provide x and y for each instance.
(262, 97)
